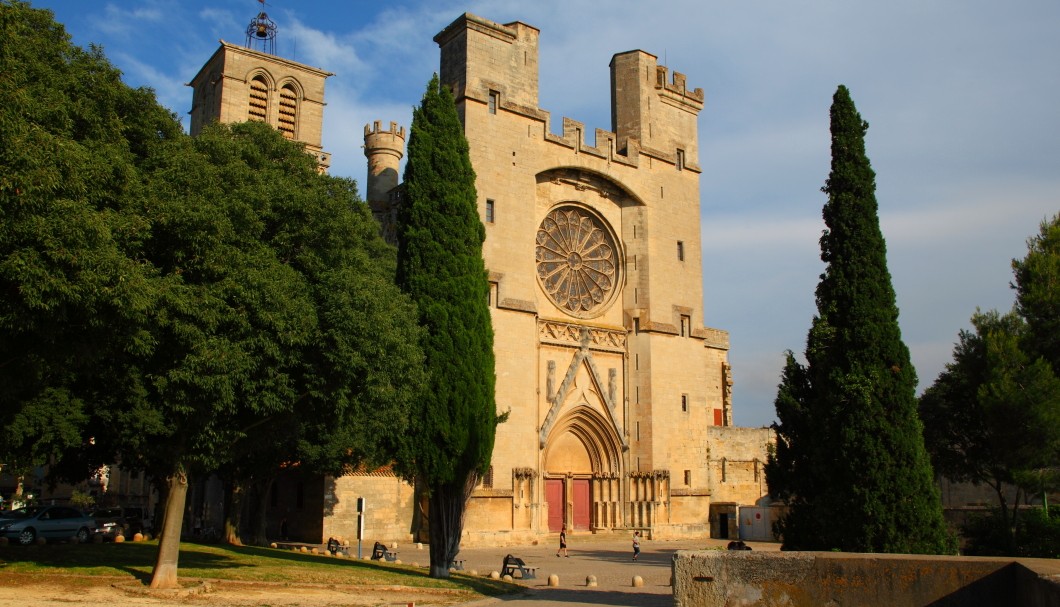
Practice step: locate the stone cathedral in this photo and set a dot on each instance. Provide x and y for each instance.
(619, 398)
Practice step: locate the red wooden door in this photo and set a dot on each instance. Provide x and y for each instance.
(554, 499)
(581, 503)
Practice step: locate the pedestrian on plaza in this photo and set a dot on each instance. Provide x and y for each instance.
(563, 542)
(636, 544)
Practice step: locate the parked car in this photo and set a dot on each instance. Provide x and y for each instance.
(25, 525)
(119, 520)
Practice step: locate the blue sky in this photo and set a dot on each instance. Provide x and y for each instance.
(962, 98)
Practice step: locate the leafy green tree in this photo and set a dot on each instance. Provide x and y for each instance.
(993, 416)
(850, 457)
(1038, 292)
(279, 314)
(440, 265)
(73, 143)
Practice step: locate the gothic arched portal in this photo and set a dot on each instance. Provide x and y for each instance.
(582, 464)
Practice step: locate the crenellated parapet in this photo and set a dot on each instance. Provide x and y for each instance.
(676, 90)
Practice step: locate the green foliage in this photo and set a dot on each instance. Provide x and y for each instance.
(73, 143)
(993, 416)
(1036, 534)
(440, 265)
(1038, 292)
(277, 316)
(850, 457)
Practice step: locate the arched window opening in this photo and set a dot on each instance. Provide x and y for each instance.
(288, 111)
(259, 100)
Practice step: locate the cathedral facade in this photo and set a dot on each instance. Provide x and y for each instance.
(618, 396)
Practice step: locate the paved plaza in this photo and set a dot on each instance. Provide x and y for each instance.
(609, 559)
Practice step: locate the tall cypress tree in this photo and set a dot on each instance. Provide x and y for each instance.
(440, 265)
(850, 456)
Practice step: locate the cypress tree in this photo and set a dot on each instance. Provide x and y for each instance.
(440, 265)
(850, 456)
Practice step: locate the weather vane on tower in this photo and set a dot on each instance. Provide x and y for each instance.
(262, 30)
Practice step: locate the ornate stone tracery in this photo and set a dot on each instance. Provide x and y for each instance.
(577, 261)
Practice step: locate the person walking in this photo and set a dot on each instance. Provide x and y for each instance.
(636, 544)
(563, 542)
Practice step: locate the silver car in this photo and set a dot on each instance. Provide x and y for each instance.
(25, 525)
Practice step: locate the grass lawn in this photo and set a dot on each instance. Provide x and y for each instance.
(135, 560)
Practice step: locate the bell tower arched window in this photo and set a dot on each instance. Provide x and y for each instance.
(288, 111)
(258, 109)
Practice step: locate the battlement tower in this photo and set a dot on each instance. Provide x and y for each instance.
(384, 150)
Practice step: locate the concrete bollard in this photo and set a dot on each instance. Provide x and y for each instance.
(419, 545)
(473, 573)
(507, 578)
(590, 581)
(553, 580)
(495, 575)
(638, 582)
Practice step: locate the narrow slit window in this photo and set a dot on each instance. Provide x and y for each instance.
(490, 210)
(686, 325)
(494, 98)
(680, 160)
(684, 402)
(680, 250)
(492, 296)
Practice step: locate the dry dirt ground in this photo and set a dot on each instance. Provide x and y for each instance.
(24, 591)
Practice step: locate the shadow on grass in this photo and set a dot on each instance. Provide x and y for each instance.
(251, 563)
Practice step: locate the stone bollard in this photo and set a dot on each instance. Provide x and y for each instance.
(118, 539)
(638, 581)
(272, 545)
(397, 561)
(495, 575)
(553, 580)
(419, 545)
(303, 550)
(507, 578)
(590, 581)
(138, 537)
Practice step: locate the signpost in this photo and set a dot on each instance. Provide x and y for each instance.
(360, 525)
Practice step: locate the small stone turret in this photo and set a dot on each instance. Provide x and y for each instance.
(384, 150)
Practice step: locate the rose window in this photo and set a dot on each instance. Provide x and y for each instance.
(576, 260)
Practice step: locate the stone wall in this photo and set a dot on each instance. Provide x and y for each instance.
(737, 463)
(796, 579)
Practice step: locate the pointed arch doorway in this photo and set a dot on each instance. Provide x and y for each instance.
(580, 451)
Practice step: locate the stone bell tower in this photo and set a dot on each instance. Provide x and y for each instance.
(240, 83)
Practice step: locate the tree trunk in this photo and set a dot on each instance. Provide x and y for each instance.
(165, 572)
(448, 503)
(234, 493)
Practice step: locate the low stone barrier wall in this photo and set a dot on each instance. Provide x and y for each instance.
(795, 579)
